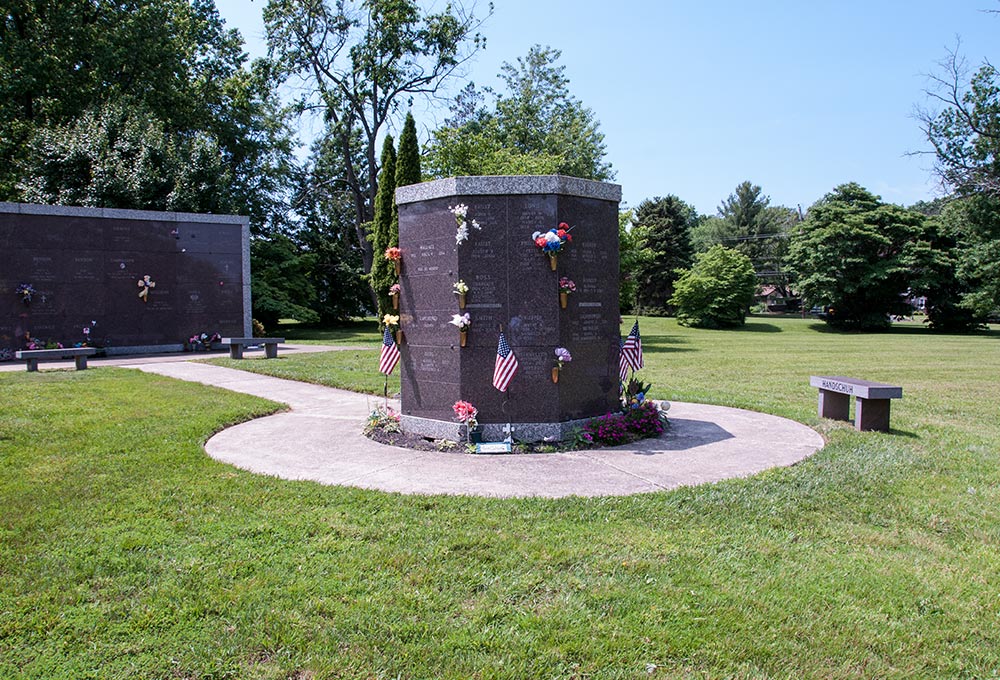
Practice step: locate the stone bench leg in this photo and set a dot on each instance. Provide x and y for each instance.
(872, 415)
(81, 362)
(32, 365)
(834, 405)
(271, 350)
(235, 351)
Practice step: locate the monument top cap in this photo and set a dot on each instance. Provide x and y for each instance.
(504, 185)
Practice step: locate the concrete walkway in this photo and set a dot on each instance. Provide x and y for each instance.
(320, 440)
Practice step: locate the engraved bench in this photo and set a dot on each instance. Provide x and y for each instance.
(33, 356)
(236, 346)
(871, 411)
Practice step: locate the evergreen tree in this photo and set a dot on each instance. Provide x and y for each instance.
(408, 161)
(381, 235)
(663, 226)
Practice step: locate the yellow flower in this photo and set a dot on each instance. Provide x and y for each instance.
(390, 320)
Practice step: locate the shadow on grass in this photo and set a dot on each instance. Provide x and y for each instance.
(663, 344)
(359, 330)
(902, 329)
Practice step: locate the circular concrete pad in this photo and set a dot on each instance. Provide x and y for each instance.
(320, 440)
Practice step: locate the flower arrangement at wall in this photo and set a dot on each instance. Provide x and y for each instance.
(201, 342)
(466, 413)
(394, 290)
(461, 213)
(462, 322)
(26, 291)
(396, 256)
(566, 287)
(553, 241)
(461, 290)
(562, 357)
(391, 321)
(146, 284)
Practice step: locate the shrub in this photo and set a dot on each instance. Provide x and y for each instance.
(716, 291)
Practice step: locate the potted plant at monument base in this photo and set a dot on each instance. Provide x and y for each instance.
(566, 286)
(394, 294)
(396, 256)
(462, 321)
(562, 357)
(461, 290)
(466, 413)
(391, 321)
(552, 242)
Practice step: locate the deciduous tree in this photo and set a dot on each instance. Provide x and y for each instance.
(717, 291)
(856, 254)
(358, 62)
(536, 127)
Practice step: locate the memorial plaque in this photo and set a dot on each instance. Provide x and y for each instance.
(511, 285)
(85, 265)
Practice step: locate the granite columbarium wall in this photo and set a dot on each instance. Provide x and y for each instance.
(511, 285)
(85, 265)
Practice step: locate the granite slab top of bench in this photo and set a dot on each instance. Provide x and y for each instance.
(63, 352)
(866, 389)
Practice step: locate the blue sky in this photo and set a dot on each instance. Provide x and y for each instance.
(694, 97)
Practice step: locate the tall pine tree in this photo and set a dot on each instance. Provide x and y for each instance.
(408, 163)
(383, 274)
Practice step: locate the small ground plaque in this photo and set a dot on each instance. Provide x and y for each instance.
(493, 447)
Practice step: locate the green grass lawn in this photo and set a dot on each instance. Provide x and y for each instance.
(126, 552)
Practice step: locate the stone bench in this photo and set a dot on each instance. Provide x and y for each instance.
(873, 398)
(79, 354)
(236, 346)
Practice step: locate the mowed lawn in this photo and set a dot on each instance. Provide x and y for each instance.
(126, 552)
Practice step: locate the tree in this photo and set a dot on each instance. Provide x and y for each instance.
(358, 61)
(382, 270)
(408, 160)
(632, 257)
(717, 291)
(965, 137)
(123, 157)
(663, 226)
(536, 127)
(856, 255)
(965, 133)
(749, 223)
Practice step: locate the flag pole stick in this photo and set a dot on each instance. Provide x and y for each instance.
(385, 392)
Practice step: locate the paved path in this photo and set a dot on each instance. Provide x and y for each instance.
(320, 439)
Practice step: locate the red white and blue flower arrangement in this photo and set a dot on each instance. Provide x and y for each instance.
(553, 241)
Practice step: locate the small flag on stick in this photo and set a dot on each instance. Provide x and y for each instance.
(623, 364)
(389, 356)
(632, 349)
(506, 365)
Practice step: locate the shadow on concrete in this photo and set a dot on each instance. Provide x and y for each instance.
(683, 434)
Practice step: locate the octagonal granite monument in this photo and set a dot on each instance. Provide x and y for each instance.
(511, 286)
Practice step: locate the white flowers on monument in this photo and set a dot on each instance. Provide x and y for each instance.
(462, 321)
(461, 211)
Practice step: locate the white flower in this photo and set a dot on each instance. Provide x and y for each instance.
(459, 211)
(462, 234)
(475, 225)
(536, 235)
(460, 320)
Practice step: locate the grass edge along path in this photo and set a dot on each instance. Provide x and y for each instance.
(126, 552)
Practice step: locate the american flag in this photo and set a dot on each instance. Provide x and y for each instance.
(389, 356)
(623, 364)
(506, 365)
(632, 349)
